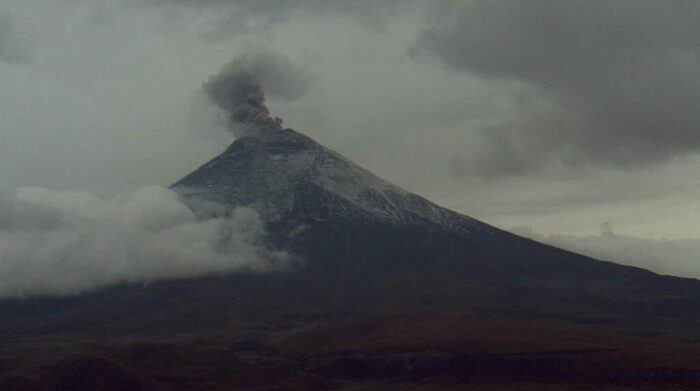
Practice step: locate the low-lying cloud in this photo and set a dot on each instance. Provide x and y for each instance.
(679, 257)
(63, 243)
(611, 82)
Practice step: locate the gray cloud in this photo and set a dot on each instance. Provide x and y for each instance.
(12, 47)
(238, 89)
(62, 243)
(612, 82)
(243, 16)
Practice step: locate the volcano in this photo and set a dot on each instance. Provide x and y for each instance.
(386, 288)
(374, 245)
(360, 245)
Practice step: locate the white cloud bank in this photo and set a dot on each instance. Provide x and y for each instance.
(679, 257)
(62, 243)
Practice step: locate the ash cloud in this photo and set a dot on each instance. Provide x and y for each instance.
(611, 83)
(12, 47)
(64, 243)
(239, 90)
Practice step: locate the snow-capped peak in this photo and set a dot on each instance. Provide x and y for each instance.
(277, 172)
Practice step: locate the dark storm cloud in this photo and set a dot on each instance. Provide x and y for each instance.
(613, 82)
(12, 49)
(239, 89)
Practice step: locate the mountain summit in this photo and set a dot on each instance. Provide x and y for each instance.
(287, 175)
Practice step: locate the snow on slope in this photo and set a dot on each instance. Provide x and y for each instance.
(268, 172)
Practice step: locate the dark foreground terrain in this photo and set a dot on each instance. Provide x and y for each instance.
(397, 352)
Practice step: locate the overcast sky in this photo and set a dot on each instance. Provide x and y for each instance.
(556, 115)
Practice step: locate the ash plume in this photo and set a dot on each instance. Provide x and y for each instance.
(238, 90)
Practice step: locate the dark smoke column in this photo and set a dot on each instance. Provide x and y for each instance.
(238, 91)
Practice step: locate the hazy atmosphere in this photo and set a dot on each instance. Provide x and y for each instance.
(573, 122)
